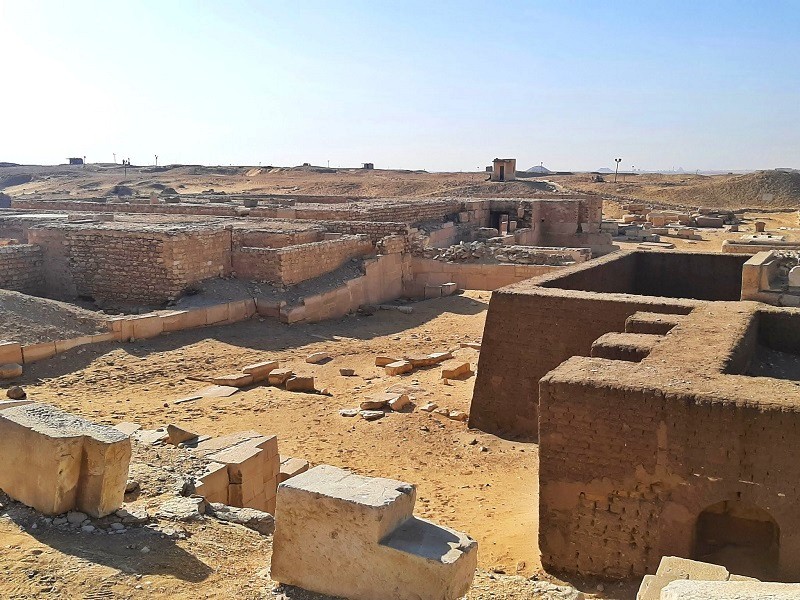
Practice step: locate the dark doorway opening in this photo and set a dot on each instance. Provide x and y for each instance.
(502, 173)
(742, 537)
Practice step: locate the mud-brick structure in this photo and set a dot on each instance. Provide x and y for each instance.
(667, 420)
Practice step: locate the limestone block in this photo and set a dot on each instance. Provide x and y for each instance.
(213, 485)
(279, 376)
(300, 384)
(330, 523)
(684, 568)
(233, 379)
(456, 371)
(433, 291)
(317, 358)
(10, 371)
(217, 313)
(449, 288)
(146, 326)
(730, 590)
(291, 467)
(10, 352)
(77, 464)
(12, 403)
(794, 276)
(398, 368)
(36, 352)
(261, 370)
(382, 361)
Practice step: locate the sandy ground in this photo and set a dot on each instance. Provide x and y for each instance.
(466, 479)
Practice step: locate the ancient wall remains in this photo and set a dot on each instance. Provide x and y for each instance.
(21, 268)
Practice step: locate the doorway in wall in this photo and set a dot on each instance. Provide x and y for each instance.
(742, 537)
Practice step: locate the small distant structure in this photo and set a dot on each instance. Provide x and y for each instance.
(368, 166)
(504, 169)
(489, 169)
(75, 161)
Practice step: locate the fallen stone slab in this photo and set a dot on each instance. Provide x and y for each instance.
(78, 465)
(261, 370)
(349, 412)
(127, 428)
(457, 415)
(10, 371)
(300, 384)
(257, 520)
(318, 357)
(382, 361)
(212, 391)
(182, 509)
(279, 376)
(399, 402)
(473, 345)
(176, 435)
(237, 380)
(291, 467)
(331, 523)
(729, 590)
(151, 436)
(456, 371)
(398, 367)
(347, 372)
(373, 403)
(371, 415)
(429, 360)
(429, 407)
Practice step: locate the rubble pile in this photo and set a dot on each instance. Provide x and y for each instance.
(495, 251)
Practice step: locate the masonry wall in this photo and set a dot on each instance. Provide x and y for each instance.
(624, 474)
(468, 276)
(21, 268)
(137, 267)
(262, 238)
(375, 231)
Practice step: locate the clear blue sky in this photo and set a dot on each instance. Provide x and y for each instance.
(405, 84)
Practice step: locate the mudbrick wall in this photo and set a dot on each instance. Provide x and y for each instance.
(139, 266)
(635, 455)
(531, 329)
(21, 268)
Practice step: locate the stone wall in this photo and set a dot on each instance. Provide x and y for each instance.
(266, 238)
(293, 264)
(130, 265)
(21, 268)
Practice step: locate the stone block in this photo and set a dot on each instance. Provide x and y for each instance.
(432, 291)
(449, 288)
(317, 358)
(78, 465)
(146, 326)
(398, 367)
(279, 376)
(684, 568)
(382, 361)
(330, 523)
(261, 370)
(217, 313)
(730, 590)
(10, 352)
(233, 379)
(4, 404)
(291, 467)
(10, 371)
(460, 370)
(36, 352)
(300, 384)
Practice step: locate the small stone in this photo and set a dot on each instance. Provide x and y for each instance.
(458, 415)
(10, 371)
(117, 526)
(131, 486)
(87, 528)
(348, 412)
(182, 509)
(318, 357)
(133, 515)
(347, 372)
(59, 520)
(429, 407)
(300, 384)
(144, 550)
(75, 517)
(372, 415)
(15, 392)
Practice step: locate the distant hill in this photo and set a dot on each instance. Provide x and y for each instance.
(605, 170)
(763, 189)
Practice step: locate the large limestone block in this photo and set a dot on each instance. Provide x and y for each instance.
(55, 461)
(729, 590)
(685, 568)
(342, 534)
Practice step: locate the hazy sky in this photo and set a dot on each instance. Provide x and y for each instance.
(433, 85)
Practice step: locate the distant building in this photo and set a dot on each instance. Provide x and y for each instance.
(369, 166)
(504, 169)
(75, 161)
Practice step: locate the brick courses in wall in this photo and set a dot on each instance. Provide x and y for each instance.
(21, 268)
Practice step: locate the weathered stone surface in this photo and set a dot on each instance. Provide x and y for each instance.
(300, 384)
(349, 412)
(257, 520)
(176, 435)
(429, 407)
(398, 367)
(382, 361)
(15, 392)
(234, 380)
(347, 372)
(182, 509)
(330, 523)
(291, 467)
(684, 568)
(729, 590)
(457, 415)
(399, 401)
(317, 358)
(456, 371)
(78, 464)
(261, 370)
(279, 376)
(10, 371)
(371, 415)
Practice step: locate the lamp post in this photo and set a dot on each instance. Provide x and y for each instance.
(616, 160)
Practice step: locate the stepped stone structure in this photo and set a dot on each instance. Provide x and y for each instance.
(346, 535)
(55, 462)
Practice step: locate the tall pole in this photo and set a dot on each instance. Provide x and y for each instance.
(616, 170)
